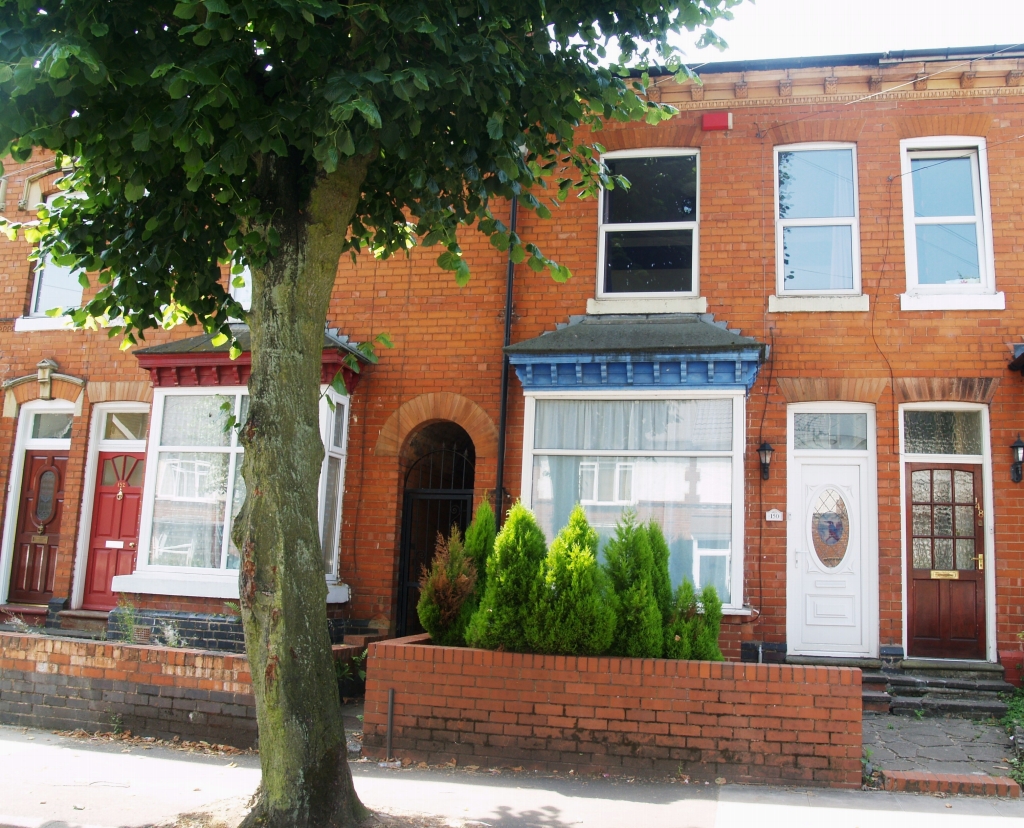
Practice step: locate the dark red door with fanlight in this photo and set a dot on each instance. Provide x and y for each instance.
(38, 533)
(115, 526)
(945, 561)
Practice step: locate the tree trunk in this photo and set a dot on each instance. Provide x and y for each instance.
(306, 779)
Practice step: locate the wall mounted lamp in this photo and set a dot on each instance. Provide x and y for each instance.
(765, 451)
(1017, 468)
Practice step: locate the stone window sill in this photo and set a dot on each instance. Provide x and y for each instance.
(42, 323)
(818, 304)
(682, 304)
(200, 586)
(952, 301)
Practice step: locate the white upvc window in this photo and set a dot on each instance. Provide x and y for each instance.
(675, 458)
(817, 222)
(947, 224)
(55, 286)
(194, 490)
(648, 239)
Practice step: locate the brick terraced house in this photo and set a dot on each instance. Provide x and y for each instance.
(819, 261)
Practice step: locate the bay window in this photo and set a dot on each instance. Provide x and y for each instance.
(194, 491)
(678, 461)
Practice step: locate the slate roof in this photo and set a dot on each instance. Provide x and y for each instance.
(639, 333)
(204, 344)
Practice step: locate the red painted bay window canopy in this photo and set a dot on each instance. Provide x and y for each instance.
(197, 362)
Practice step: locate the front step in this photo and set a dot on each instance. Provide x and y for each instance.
(958, 689)
(85, 620)
(927, 687)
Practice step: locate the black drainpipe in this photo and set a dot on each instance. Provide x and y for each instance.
(499, 492)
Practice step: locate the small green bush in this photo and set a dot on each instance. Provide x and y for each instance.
(629, 563)
(446, 592)
(572, 606)
(694, 626)
(480, 543)
(659, 575)
(512, 568)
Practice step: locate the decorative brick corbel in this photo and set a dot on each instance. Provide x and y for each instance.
(697, 92)
(874, 84)
(1014, 77)
(740, 89)
(967, 80)
(786, 88)
(831, 85)
(921, 83)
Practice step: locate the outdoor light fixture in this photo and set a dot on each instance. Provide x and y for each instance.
(1017, 469)
(765, 450)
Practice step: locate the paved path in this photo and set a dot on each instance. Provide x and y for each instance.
(937, 745)
(47, 781)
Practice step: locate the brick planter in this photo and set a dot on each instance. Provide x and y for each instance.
(746, 722)
(153, 691)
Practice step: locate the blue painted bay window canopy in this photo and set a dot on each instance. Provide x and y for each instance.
(669, 351)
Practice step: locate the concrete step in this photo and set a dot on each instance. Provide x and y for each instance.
(875, 701)
(820, 661)
(15, 614)
(959, 708)
(92, 620)
(950, 667)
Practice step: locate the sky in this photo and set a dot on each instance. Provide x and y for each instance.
(798, 28)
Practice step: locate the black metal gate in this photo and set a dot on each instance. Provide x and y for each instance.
(438, 495)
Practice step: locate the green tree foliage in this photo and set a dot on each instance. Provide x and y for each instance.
(501, 620)
(480, 543)
(694, 626)
(630, 566)
(659, 574)
(572, 605)
(280, 134)
(446, 592)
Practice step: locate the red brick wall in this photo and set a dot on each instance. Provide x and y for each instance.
(449, 338)
(156, 691)
(746, 722)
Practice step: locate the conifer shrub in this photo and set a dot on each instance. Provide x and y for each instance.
(512, 569)
(661, 580)
(447, 600)
(572, 606)
(480, 543)
(629, 563)
(694, 626)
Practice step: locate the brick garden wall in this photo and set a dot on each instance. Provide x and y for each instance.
(746, 722)
(65, 684)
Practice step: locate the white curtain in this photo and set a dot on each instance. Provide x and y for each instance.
(634, 425)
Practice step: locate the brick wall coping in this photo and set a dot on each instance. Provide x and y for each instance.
(795, 724)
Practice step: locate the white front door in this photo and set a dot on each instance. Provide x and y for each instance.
(832, 545)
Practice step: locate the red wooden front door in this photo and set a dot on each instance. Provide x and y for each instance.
(115, 526)
(945, 559)
(38, 532)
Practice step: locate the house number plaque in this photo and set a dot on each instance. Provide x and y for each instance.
(945, 575)
(40, 539)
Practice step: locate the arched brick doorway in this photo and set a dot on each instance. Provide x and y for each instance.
(439, 474)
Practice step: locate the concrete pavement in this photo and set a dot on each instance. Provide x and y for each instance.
(48, 781)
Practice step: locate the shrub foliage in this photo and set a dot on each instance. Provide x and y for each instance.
(512, 568)
(693, 628)
(480, 542)
(572, 605)
(660, 578)
(630, 566)
(447, 600)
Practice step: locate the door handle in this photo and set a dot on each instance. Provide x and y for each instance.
(981, 562)
(131, 545)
